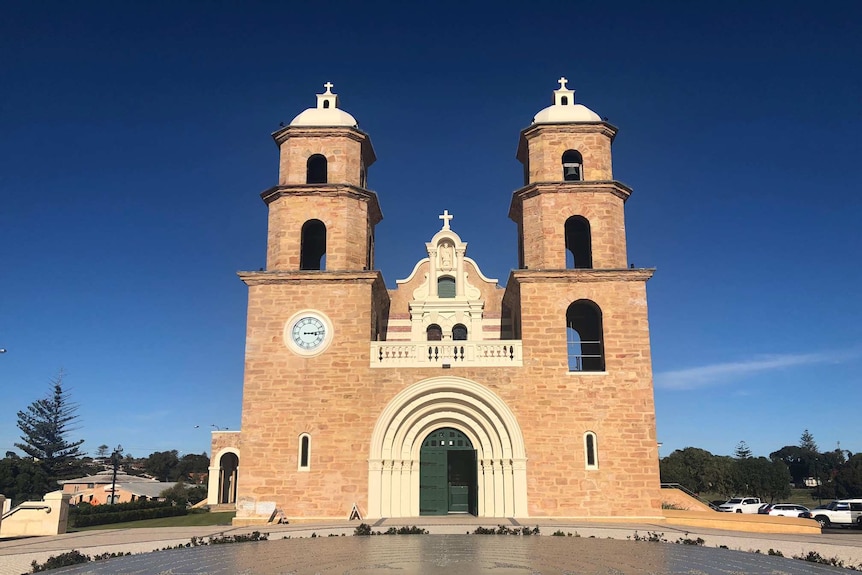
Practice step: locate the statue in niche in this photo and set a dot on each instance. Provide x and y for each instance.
(447, 256)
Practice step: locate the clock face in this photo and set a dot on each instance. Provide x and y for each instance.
(308, 332)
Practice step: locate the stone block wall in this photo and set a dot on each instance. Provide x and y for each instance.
(346, 213)
(547, 143)
(344, 149)
(544, 208)
(337, 399)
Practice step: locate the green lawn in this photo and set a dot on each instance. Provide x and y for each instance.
(190, 520)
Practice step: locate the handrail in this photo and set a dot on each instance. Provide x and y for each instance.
(690, 494)
(23, 506)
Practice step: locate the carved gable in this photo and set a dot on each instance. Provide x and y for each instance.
(447, 290)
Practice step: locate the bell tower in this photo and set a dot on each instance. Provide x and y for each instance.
(581, 311)
(570, 210)
(321, 216)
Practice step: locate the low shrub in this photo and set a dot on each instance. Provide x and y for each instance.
(505, 530)
(111, 514)
(73, 557)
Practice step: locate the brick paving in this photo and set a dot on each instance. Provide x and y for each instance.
(597, 549)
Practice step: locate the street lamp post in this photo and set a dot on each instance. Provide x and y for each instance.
(115, 459)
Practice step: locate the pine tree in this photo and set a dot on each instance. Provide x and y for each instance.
(807, 442)
(45, 426)
(742, 450)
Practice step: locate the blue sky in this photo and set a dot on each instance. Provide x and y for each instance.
(135, 141)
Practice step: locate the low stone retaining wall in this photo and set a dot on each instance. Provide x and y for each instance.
(748, 522)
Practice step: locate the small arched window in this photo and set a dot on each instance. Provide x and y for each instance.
(564, 101)
(446, 287)
(584, 337)
(325, 104)
(312, 249)
(572, 166)
(591, 452)
(459, 332)
(316, 169)
(579, 244)
(434, 332)
(304, 452)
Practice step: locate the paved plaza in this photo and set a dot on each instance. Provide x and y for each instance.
(591, 549)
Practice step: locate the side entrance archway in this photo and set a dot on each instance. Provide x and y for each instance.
(447, 474)
(495, 481)
(223, 473)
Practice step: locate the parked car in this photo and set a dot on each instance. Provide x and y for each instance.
(741, 505)
(843, 512)
(789, 510)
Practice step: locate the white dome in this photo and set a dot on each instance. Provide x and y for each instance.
(564, 109)
(571, 113)
(324, 117)
(326, 113)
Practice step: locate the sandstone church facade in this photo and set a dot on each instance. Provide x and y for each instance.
(447, 394)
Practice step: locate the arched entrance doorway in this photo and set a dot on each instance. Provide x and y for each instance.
(432, 405)
(228, 465)
(447, 474)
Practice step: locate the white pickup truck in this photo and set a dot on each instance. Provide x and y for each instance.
(741, 505)
(844, 512)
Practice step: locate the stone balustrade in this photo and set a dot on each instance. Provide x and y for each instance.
(499, 353)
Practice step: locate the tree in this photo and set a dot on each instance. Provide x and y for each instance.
(192, 468)
(807, 442)
(182, 494)
(848, 480)
(162, 465)
(22, 479)
(760, 477)
(689, 467)
(102, 451)
(742, 450)
(46, 425)
(178, 494)
(799, 461)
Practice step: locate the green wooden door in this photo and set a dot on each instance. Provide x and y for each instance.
(432, 482)
(447, 474)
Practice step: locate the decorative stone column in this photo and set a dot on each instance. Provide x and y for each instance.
(213, 484)
(375, 471)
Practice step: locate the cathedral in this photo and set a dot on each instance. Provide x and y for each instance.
(449, 393)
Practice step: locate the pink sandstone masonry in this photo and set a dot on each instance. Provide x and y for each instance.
(319, 428)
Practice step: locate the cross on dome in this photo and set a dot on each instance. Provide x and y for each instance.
(446, 216)
(327, 100)
(564, 96)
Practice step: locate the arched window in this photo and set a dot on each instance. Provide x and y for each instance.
(459, 332)
(325, 104)
(434, 333)
(584, 337)
(446, 287)
(304, 452)
(564, 101)
(316, 169)
(312, 250)
(591, 450)
(579, 244)
(572, 165)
